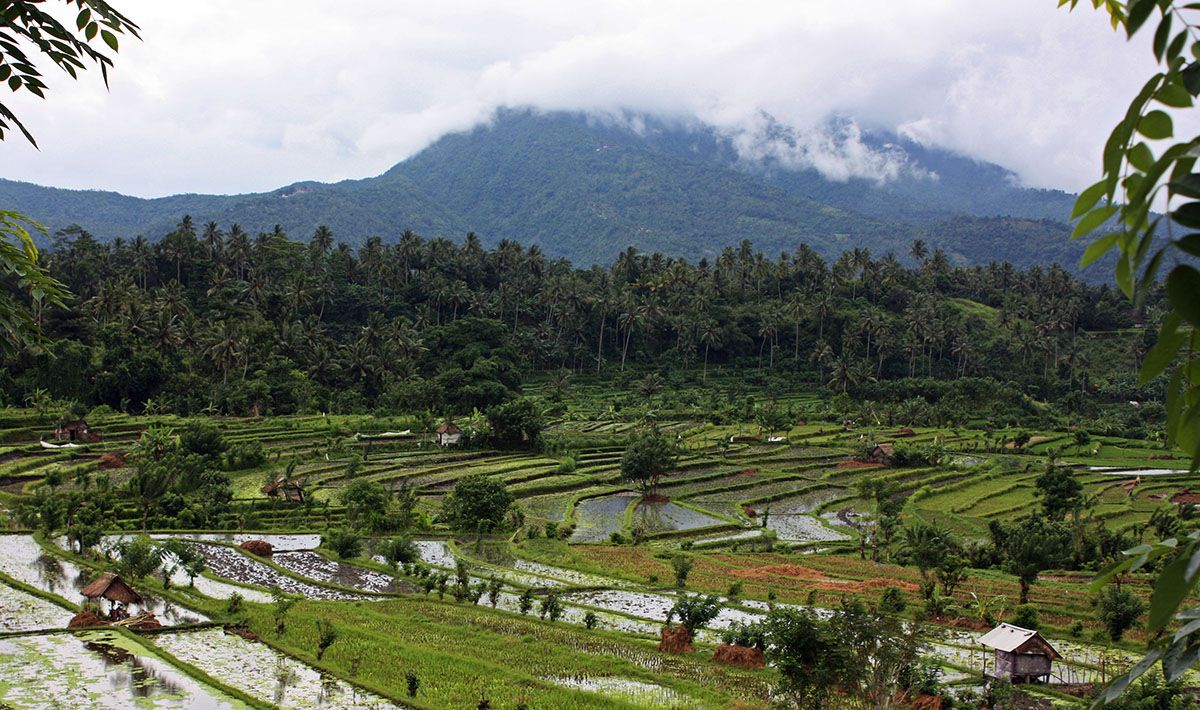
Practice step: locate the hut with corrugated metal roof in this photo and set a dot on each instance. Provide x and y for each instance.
(1022, 655)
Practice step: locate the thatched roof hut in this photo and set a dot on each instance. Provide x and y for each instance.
(289, 491)
(111, 587)
(76, 430)
(882, 453)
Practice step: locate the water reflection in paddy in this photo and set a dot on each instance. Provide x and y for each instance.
(264, 673)
(24, 559)
(20, 611)
(96, 669)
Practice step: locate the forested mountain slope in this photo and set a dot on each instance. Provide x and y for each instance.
(585, 189)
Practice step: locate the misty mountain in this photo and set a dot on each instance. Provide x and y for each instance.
(585, 189)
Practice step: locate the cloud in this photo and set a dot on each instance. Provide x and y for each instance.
(231, 96)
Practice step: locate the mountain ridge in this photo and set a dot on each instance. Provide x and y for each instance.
(585, 189)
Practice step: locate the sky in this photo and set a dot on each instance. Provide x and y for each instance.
(230, 96)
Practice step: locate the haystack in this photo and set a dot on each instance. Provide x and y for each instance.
(140, 622)
(739, 656)
(111, 460)
(84, 619)
(675, 639)
(262, 548)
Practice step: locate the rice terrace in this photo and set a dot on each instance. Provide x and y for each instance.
(533, 356)
(332, 598)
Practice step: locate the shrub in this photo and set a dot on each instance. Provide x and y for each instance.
(245, 454)
(551, 607)
(398, 551)
(326, 635)
(747, 634)
(346, 543)
(694, 612)
(683, 567)
(478, 502)
(1026, 616)
(1119, 610)
(566, 465)
(891, 601)
(590, 620)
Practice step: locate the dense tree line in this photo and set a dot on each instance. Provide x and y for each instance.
(214, 318)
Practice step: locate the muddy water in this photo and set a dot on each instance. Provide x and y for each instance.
(314, 566)
(96, 669)
(640, 692)
(264, 673)
(23, 559)
(179, 578)
(1118, 471)
(597, 518)
(799, 527)
(20, 611)
(227, 562)
(278, 542)
(666, 517)
(651, 606)
(514, 569)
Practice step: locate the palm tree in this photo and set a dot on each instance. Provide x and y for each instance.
(225, 347)
(214, 240)
(710, 335)
(918, 250)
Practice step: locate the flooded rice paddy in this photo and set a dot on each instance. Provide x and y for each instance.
(20, 611)
(322, 569)
(227, 562)
(598, 518)
(1121, 471)
(26, 561)
(636, 691)
(669, 517)
(264, 673)
(97, 669)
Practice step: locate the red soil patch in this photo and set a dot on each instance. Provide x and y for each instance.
(110, 461)
(851, 463)
(241, 631)
(748, 472)
(1078, 690)
(740, 656)
(262, 548)
(675, 639)
(959, 622)
(905, 433)
(656, 498)
(765, 572)
(84, 618)
(750, 512)
(769, 573)
(1032, 440)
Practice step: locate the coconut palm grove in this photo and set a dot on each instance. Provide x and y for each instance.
(801, 443)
